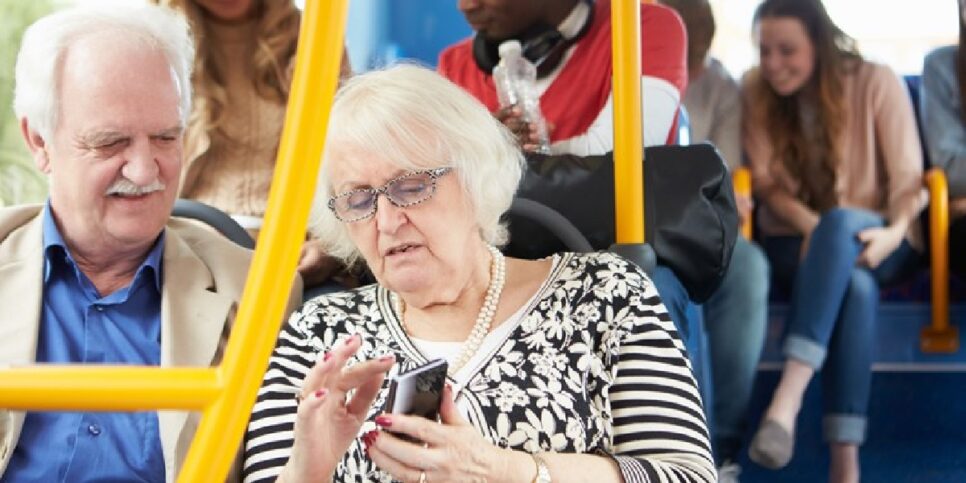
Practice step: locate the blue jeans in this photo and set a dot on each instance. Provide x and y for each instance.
(735, 317)
(687, 319)
(675, 299)
(833, 311)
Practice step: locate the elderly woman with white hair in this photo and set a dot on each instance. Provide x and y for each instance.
(562, 369)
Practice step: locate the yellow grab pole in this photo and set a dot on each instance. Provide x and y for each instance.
(940, 336)
(939, 231)
(741, 178)
(107, 388)
(628, 141)
(273, 267)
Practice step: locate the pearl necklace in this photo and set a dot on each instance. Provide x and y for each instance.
(483, 320)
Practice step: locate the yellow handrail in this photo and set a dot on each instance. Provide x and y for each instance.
(940, 336)
(741, 178)
(110, 388)
(226, 393)
(628, 141)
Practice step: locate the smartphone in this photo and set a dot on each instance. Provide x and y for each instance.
(419, 391)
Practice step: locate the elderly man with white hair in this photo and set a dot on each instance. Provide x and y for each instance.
(101, 274)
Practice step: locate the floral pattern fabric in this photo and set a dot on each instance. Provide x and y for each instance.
(594, 366)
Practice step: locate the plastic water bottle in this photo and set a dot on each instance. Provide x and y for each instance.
(514, 77)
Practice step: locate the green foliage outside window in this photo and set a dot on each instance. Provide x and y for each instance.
(20, 182)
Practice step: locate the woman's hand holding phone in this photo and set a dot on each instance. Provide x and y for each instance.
(451, 451)
(327, 422)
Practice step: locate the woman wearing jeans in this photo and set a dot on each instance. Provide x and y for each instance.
(837, 167)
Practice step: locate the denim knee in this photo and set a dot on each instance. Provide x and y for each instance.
(863, 285)
(754, 270)
(846, 222)
(811, 350)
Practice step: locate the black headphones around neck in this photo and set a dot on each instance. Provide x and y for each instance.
(542, 43)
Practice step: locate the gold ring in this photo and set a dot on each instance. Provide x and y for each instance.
(422, 476)
(299, 396)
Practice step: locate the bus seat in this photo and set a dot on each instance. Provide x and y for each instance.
(914, 85)
(939, 336)
(551, 220)
(215, 218)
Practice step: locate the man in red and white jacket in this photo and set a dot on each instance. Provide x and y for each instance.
(574, 80)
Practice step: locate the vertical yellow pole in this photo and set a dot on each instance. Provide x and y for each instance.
(741, 179)
(941, 336)
(273, 267)
(628, 141)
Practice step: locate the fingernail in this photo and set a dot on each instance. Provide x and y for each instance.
(326, 357)
(321, 393)
(387, 358)
(384, 421)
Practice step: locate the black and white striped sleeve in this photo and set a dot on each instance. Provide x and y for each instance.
(269, 438)
(660, 433)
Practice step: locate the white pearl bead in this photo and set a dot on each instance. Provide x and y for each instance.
(484, 320)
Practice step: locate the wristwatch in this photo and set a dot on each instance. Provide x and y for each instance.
(543, 472)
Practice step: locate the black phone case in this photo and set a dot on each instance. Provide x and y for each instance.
(426, 391)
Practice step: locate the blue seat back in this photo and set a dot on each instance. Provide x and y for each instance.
(914, 86)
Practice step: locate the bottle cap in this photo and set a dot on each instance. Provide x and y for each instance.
(510, 47)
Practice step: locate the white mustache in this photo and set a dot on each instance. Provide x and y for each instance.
(126, 187)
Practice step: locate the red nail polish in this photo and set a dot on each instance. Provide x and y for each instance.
(321, 393)
(384, 421)
(326, 357)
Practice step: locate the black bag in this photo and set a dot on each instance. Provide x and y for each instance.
(690, 216)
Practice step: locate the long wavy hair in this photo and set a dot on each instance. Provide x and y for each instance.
(836, 56)
(276, 37)
(961, 56)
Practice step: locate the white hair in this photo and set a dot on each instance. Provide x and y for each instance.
(45, 43)
(417, 119)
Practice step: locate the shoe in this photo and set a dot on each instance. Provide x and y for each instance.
(728, 472)
(772, 446)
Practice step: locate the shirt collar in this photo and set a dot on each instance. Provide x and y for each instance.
(56, 252)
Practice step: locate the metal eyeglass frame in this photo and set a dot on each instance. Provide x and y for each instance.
(434, 174)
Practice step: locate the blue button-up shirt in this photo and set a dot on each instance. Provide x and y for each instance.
(79, 325)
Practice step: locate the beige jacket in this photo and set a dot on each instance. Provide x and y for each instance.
(204, 275)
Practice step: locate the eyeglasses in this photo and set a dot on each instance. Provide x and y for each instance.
(406, 190)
